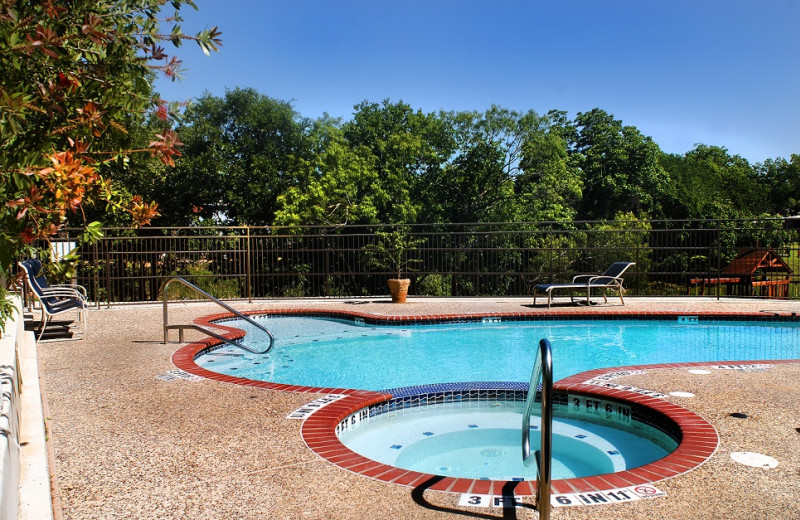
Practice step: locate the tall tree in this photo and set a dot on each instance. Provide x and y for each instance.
(405, 146)
(709, 182)
(75, 75)
(620, 168)
(550, 187)
(782, 178)
(477, 184)
(241, 152)
(342, 186)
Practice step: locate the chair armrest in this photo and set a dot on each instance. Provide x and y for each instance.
(81, 289)
(587, 276)
(617, 280)
(63, 292)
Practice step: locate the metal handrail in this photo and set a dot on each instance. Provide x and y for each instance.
(180, 328)
(542, 369)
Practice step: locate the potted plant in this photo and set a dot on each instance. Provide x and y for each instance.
(391, 253)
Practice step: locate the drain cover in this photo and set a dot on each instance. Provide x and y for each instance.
(699, 371)
(681, 394)
(755, 460)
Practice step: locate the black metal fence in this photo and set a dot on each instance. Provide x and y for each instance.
(458, 260)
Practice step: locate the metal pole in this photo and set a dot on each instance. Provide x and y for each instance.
(165, 314)
(542, 368)
(248, 266)
(719, 258)
(546, 458)
(96, 276)
(108, 276)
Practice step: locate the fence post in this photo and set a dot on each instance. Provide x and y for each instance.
(636, 269)
(719, 258)
(248, 273)
(108, 276)
(96, 277)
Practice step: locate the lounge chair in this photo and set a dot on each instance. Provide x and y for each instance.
(55, 299)
(610, 279)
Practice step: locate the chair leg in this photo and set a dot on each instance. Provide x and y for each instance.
(45, 319)
(82, 321)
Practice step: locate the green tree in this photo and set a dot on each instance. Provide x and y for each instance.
(405, 146)
(241, 152)
(342, 186)
(708, 182)
(477, 184)
(141, 174)
(76, 75)
(550, 187)
(782, 178)
(620, 168)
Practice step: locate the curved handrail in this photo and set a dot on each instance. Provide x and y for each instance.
(211, 333)
(542, 368)
(225, 306)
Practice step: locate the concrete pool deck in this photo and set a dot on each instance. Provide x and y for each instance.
(128, 444)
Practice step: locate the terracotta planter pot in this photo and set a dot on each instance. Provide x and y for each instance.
(398, 288)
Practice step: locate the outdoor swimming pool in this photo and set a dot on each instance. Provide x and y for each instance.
(338, 353)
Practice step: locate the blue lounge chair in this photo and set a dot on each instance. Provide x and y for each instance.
(610, 279)
(55, 299)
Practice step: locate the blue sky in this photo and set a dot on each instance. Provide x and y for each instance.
(723, 73)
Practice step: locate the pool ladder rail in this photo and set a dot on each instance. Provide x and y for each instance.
(542, 370)
(181, 327)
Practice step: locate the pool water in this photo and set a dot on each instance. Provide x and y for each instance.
(335, 353)
(483, 441)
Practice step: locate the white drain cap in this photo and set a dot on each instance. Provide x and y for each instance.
(755, 460)
(681, 394)
(699, 371)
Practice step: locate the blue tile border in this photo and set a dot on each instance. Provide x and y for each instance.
(409, 391)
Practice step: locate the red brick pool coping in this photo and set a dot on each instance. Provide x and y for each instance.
(699, 438)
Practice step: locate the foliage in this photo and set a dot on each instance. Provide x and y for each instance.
(300, 285)
(477, 183)
(241, 153)
(620, 167)
(393, 250)
(250, 159)
(626, 238)
(76, 76)
(342, 186)
(550, 187)
(782, 180)
(7, 310)
(708, 182)
(403, 146)
(435, 285)
(201, 276)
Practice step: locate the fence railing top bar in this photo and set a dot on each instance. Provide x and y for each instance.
(574, 225)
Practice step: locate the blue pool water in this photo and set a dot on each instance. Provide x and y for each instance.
(342, 354)
(483, 441)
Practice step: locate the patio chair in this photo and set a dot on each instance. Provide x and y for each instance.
(54, 299)
(610, 279)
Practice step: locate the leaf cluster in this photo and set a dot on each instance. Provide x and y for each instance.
(253, 160)
(76, 77)
(393, 251)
